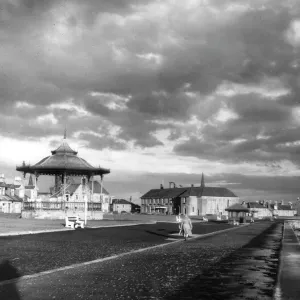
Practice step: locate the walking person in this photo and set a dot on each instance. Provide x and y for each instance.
(186, 226)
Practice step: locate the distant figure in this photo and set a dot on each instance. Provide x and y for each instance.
(178, 220)
(9, 290)
(186, 226)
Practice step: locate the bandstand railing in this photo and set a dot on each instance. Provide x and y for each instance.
(46, 205)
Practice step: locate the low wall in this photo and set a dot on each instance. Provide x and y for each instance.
(60, 214)
(294, 223)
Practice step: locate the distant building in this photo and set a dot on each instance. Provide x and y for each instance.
(194, 201)
(31, 190)
(121, 205)
(260, 210)
(10, 201)
(284, 210)
(76, 193)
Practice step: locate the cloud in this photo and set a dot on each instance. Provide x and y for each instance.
(194, 82)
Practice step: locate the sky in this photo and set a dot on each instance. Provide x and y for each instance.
(157, 91)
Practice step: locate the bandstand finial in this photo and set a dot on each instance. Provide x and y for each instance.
(65, 133)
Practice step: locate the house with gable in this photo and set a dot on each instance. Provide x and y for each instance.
(193, 201)
(77, 192)
(10, 201)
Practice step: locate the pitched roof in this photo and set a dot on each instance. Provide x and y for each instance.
(29, 187)
(217, 192)
(97, 188)
(120, 201)
(189, 191)
(14, 198)
(237, 207)
(64, 148)
(283, 207)
(30, 181)
(71, 188)
(63, 159)
(255, 205)
(164, 193)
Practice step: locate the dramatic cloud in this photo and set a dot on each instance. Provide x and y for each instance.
(209, 85)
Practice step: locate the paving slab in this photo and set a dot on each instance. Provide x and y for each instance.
(289, 276)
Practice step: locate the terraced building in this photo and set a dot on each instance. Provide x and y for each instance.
(194, 201)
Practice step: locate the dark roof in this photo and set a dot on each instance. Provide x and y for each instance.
(63, 159)
(64, 148)
(120, 201)
(164, 193)
(2, 184)
(14, 198)
(29, 187)
(237, 207)
(97, 188)
(10, 185)
(30, 180)
(189, 191)
(255, 205)
(283, 207)
(71, 189)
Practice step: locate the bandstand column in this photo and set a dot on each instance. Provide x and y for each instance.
(85, 202)
(101, 186)
(65, 179)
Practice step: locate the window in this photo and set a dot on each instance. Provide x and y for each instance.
(193, 208)
(67, 197)
(123, 205)
(183, 200)
(76, 197)
(184, 210)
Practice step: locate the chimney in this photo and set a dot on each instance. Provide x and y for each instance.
(161, 187)
(282, 202)
(192, 185)
(17, 181)
(2, 178)
(170, 184)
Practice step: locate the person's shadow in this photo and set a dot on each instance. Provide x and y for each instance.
(8, 291)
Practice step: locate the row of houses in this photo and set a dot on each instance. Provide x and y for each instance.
(193, 201)
(204, 201)
(13, 196)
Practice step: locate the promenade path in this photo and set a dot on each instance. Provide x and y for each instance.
(231, 265)
(289, 276)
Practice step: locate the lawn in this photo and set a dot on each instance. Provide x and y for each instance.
(39, 252)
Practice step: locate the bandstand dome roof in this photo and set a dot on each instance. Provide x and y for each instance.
(63, 160)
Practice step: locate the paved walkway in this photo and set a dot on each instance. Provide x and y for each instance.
(289, 276)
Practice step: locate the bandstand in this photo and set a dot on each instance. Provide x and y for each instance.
(64, 163)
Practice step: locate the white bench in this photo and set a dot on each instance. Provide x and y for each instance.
(74, 222)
